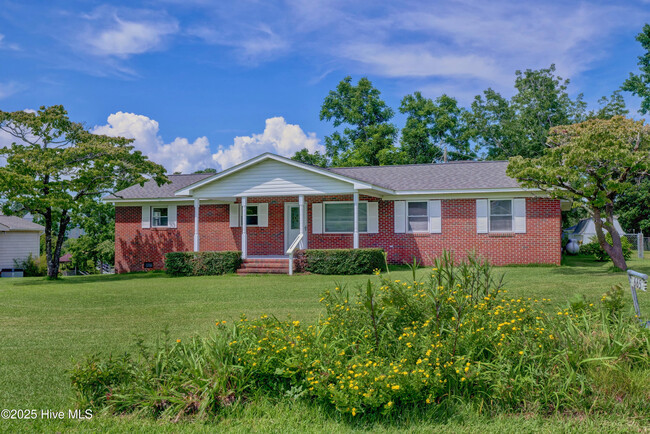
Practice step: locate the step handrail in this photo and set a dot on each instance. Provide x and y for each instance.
(292, 248)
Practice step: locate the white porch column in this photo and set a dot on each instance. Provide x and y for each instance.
(244, 236)
(196, 226)
(301, 205)
(356, 221)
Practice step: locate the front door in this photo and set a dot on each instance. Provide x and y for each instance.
(291, 224)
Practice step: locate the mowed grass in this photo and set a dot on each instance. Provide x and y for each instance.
(45, 326)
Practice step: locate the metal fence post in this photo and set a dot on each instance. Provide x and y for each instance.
(640, 244)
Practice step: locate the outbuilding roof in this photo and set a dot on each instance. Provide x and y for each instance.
(13, 223)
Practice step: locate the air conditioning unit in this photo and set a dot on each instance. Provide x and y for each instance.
(7, 272)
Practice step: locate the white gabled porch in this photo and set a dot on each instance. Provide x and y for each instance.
(254, 190)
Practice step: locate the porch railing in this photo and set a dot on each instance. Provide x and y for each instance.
(292, 248)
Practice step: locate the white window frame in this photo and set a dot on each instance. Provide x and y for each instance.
(512, 216)
(257, 214)
(426, 203)
(325, 231)
(153, 225)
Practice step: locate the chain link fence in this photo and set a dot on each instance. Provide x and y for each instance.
(640, 244)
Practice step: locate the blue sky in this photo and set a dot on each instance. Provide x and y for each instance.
(204, 83)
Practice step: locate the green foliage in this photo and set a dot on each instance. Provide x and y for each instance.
(96, 244)
(342, 261)
(453, 335)
(93, 378)
(610, 107)
(57, 167)
(32, 267)
(594, 248)
(613, 301)
(315, 159)
(207, 170)
(202, 263)
(519, 126)
(633, 207)
(369, 138)
(639, 84)
(434, 130)
(591, 163)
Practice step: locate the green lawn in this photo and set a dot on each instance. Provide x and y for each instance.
(44, 326)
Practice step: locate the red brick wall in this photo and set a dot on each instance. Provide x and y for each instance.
(540, 243)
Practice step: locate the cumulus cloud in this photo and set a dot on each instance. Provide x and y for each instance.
(180, 155)
(109, 33)
(185, 156)
(278, 137)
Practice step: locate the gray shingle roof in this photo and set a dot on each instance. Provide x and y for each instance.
(150, 190)
(457, 175)
(13, 223)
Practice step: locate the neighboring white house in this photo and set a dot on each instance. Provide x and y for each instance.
(18, 238)
(585, 230)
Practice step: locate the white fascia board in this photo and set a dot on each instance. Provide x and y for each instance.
(187, 191)
(510, 192)
(177, 201)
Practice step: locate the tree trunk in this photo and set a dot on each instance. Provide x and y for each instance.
(615, 250)
(54, 255)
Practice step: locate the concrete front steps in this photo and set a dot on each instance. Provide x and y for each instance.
(264, 266)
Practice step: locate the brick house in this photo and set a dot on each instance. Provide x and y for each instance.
(262, 205)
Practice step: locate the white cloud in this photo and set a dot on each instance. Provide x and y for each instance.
(252, 45)
(278, 137)
(9, 88)
(180, 155)
(184, 156)
(108, 33)
(418, 61)
(7, 46)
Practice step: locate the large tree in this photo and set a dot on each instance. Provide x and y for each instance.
(591, 163)
(434, 130)
(633, 207)
(368, 139)
(96, 244)
(520, 125)
(315, 159)
(639, 84)
(57, 167)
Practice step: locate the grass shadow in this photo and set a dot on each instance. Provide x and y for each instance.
(94, 278)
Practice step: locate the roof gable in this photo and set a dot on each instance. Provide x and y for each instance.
(270, 174)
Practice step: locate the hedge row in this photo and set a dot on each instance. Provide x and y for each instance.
(202, 263)
(342, 261)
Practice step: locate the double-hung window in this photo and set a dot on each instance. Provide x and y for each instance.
(417, 217)
(160, 217)
(501, 215)
(252, 215)
(339, 217)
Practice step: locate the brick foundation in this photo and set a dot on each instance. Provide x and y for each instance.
(540, 244)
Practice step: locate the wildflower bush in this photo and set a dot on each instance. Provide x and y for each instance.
(202, 263)
(451, 335)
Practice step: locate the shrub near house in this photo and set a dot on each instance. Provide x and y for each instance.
(202, 263)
